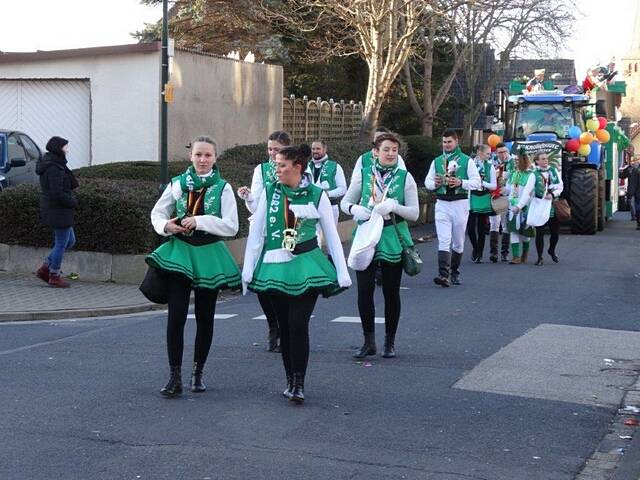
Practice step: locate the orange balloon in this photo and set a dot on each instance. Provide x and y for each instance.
(603, 136)
(586, 138)
(493, 140)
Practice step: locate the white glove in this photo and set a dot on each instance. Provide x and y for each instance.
(360, 213)
(344, 280)
(325, 185)
(247, 277)
(386, 207)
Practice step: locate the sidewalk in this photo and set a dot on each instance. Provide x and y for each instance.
(25, 297)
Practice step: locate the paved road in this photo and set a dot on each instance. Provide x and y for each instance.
(502, 378)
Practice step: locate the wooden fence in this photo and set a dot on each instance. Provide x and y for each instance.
(307, 120)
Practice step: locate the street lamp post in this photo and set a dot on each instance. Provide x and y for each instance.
(164, 174)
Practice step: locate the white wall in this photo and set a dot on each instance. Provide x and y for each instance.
(124, 100)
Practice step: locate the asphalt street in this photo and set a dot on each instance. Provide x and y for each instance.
(501, 378)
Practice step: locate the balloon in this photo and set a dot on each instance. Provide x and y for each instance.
(573, 145)
(584, 150)
(603, 136)
(593, 124)
(574, 132)
(603, 122)
(586, 138)
(493, 140)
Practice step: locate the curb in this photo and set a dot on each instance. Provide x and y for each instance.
(78, 313)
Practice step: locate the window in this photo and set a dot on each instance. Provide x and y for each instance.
(32, 149)
(15, 149)
(543, 117)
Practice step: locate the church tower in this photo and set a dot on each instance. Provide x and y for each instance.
(630, 70)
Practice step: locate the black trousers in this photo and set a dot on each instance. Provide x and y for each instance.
(391, 277)
(267, 308)
(477, 229)
(293, 315)
(205, 309)
(554, 229)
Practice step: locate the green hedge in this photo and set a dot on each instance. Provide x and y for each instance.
(116, 199)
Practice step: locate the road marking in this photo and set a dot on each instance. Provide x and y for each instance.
(217, 316)
(264, 317)
(405, 288)
(355, 320)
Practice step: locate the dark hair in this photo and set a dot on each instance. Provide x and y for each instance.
(299, 155)
(281, 137)
(450, 132)
(523, 161)
(204, 139)
(386, 136)
(55, 144)
(500, 145)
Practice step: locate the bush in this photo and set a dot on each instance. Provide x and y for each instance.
(149, 171)
(421, 151)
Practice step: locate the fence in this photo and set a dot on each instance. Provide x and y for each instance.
(307, 120)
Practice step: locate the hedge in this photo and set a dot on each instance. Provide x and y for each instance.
(115, 199)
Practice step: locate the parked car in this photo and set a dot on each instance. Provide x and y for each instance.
(18, 157)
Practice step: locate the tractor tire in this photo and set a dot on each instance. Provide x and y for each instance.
(602, 207)
(584, 201)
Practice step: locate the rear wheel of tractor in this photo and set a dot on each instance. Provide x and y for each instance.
(584, 201)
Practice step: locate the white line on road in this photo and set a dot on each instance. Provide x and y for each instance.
(217, 316)
(355, 320)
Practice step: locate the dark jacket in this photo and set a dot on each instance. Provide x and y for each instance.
(632, 174)
(57, 200)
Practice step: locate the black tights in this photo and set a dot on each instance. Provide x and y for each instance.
(477, 229)
(391, 277)
(293, 314)
(554, 228)
(205, 308)
(267, 308)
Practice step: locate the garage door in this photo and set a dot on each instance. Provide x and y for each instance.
(44, 108)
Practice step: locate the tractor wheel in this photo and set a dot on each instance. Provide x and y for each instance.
(602, 207)
(584, 201)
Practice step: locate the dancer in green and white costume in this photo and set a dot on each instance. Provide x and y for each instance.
(390, 190)
(503, 163)
(283, 262)
(367, 159)
(480, 201)
(328, 175)
(264, 175)
(519, 186)
(196, 211)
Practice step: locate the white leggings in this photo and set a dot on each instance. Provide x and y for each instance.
(496, 220)
(451, 224)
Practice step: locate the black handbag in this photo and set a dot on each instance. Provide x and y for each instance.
(411, 261)
(155, 285)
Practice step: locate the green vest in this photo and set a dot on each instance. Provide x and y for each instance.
(541, 188)
(480, 200)
(327, 172)
(461, 173)
(395, 189)
(212, 199)
(367, 159)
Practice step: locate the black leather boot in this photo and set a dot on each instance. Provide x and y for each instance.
(173, 387)
(289, 391)
(444, 259)
(297, 395)
(504, 247)
(389, 346)
(493, 246)
(456, 258)
(369, 346)
(197, 385)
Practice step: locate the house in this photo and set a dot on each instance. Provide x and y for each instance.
(106, 100)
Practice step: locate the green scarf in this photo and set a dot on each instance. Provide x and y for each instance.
(191, 182)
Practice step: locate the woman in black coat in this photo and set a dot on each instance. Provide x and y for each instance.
(57, 207)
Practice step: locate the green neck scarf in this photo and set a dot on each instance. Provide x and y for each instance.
(191, 182)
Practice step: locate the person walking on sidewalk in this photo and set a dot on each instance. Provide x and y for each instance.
(58, 205)
(632, 174)
(503, 165)
(389, 190)
(196, 210)
(263, 176)
(451, 175)
(520, 186)
(480, 202)
(283, 262)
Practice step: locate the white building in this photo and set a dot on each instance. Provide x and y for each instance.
(106, 100)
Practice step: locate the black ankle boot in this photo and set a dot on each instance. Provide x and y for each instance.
(174, 385)
(297, 395)
(273, 340)
(553, 256)
(389, 347)
(369, 346)
(456, 258)
(444, 261)
(289, 391)
(197, 385)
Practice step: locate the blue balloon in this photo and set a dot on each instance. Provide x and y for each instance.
(574, 132)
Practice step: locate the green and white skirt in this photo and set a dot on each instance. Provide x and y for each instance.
(206, 266)
(308, 271)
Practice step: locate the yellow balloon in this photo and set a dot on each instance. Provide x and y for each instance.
(593, 124)
(586, 138)
(584, 150)
(603, 136)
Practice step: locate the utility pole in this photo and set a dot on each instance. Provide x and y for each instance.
(164, 173)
